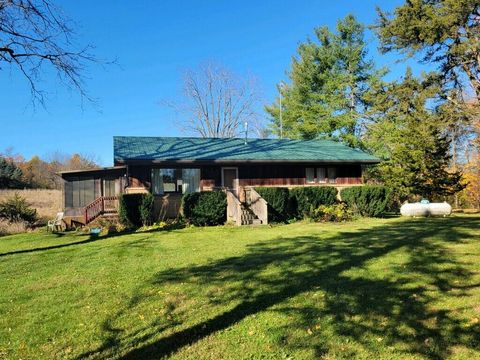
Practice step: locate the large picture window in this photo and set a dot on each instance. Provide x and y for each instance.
(332, 175)
(175, 181)
(322, 174)
(310, 175)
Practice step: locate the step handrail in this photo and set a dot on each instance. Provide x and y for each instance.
(257, 204)
(97, 208)
(234, 208)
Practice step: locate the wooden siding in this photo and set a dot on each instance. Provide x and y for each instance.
(255, 175)
(294, 175)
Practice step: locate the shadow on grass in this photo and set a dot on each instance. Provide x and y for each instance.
(90, 239)
(397, 306)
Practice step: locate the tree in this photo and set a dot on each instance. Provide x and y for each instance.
(445, 32)
(471, 172)
(410, 135)
(10, 175)
(37, 173)
(35, 36)
(217, 103)
(329, 81)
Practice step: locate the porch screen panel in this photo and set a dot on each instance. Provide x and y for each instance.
(76, 193)
(88, 191)
(190, 180)
(109, 187)
(83, 192)
(157, 182)
(68, 190)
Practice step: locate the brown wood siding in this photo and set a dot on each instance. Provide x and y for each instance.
(254, 175)
(294, 175)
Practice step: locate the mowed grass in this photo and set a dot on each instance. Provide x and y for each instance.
(371, 289)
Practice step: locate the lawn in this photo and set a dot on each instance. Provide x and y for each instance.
(382, 289)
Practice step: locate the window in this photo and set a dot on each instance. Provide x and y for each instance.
(310, 175)
(191, 180)
(332, 175)
(175, 180)
(321, 175)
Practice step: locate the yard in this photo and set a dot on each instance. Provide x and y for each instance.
(384, 288)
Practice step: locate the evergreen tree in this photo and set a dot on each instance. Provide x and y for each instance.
(444, 32)
(10, 175)
(410, 134)
(329, 80)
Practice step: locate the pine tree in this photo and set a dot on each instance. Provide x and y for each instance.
(10, 175)
(329, 80)
(443, 32)
(411, 136)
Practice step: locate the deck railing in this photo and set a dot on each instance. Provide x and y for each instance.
(100, 206)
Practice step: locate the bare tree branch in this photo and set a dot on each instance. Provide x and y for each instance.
(216, 103)
(35, 36)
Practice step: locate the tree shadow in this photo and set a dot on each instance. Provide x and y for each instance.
(90, 239)
(395, 305)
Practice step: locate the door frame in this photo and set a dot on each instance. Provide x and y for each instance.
(235, 180)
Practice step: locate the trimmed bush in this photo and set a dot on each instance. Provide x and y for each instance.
(129, 209)
(279, 204)
(146, 209)
(205, 208)
(371, 201)
(307, 199)
(336, 212)
(17, 209)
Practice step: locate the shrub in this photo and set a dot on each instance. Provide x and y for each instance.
(279, 205)
(146, 209)
(129, 209)
(9, 228)
(17, 209)
(205, 208)
(306, 199)
(336, 212)
(371, 201)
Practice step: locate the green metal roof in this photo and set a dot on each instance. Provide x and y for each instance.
(129, 148)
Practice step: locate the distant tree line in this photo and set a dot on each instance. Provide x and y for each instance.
(18, 173)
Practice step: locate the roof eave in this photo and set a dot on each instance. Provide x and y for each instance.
(238, 161)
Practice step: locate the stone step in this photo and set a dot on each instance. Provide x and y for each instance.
(252, 222)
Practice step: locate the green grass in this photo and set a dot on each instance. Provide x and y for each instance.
(376, 289)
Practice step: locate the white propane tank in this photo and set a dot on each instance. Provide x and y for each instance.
(431, 209)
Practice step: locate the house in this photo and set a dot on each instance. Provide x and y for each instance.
(169, 167)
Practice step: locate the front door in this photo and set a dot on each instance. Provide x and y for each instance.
(230, 178)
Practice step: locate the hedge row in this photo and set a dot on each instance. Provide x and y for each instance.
(205, 208)
(371, 201)
(210, 208)
(135, 210)
(303, 202)
(285, 204)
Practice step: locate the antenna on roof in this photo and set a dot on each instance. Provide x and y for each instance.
(246, 132)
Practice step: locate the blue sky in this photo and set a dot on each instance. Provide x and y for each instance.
(153, 41)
